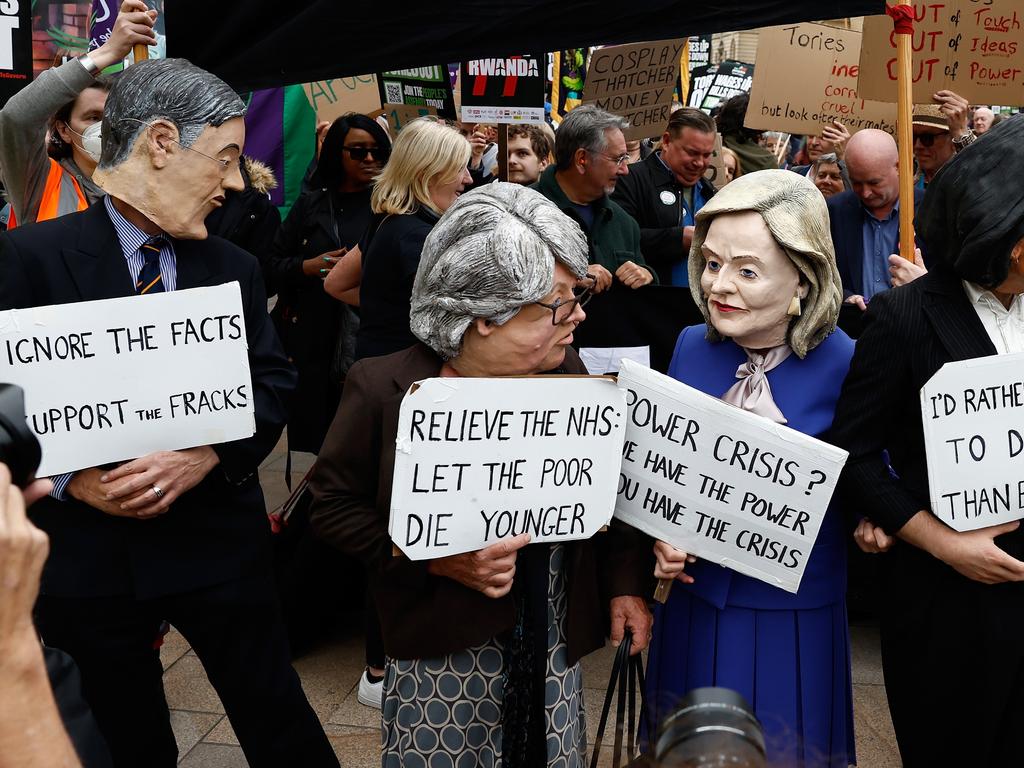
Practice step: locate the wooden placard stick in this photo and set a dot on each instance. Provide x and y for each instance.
(903, 21)
(661, 591)
(503, 152)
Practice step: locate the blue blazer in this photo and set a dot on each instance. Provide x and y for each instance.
(846, 220)
(806, 391)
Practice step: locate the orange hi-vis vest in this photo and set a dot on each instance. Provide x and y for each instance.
(61, 195)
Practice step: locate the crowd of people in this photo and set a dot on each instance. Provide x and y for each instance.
(406, 258)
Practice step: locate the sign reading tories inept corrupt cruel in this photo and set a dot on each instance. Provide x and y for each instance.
(720, 482)
(479, 460)
(636, 82)
(827, 60)
(973, 417)
(115, 379)
(972, 47)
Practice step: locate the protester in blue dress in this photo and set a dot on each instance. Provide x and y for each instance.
(762, 270)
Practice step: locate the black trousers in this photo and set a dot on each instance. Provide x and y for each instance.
(236, 631)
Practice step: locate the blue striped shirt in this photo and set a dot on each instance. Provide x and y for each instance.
(131, 239)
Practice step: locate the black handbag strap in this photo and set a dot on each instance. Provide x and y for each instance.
(627, 671)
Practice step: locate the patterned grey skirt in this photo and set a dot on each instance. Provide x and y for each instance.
(447, 712)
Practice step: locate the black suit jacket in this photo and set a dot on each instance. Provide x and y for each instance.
(846, 219)
(219, 529)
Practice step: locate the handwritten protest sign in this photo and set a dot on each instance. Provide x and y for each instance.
(400, 115)
(635, 81)
(333, 98)
(502, 90)
(720, 482)
(420, 87)
(973, 417)
(478, 460)
(827, 60)
(116, 379)
(715, 172)
(973, 48)
(15, 47)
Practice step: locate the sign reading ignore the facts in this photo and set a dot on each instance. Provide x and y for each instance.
(479, 460)
(635, 81)
(111, 380)
(720, 482)
(827, 60)
(973, 417)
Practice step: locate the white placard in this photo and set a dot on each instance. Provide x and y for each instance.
(720, 482)
(116, 379)
(973, 417)
(602, 360)
(478, 460)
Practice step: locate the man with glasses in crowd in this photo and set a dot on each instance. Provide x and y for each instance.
(940, 131)
(590, 156)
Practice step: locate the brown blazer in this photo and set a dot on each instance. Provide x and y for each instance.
(425, 616)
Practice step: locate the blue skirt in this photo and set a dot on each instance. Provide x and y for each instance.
(793, 666)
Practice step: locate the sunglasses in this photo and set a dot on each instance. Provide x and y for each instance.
(359, 153)
(926, 139)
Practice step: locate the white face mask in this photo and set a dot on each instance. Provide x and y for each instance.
(92, 141)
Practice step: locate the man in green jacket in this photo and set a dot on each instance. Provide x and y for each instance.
(590, 155)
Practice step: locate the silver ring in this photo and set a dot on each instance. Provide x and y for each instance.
(158, 491)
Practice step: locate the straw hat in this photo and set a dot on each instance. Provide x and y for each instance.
(929, 116)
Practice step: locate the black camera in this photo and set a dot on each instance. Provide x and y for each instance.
(19, 448)
(711, 728)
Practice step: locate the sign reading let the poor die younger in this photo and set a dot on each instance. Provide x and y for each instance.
(479, 460)
(116, 379)
(973, 417)
(719, 482)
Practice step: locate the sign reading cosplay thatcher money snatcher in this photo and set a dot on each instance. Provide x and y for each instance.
(480, 460)
(115, 379)
(720, 482)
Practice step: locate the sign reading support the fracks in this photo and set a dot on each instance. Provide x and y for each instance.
(479, 460)
(973, 417)
(635, 81)
(116, 379)
(972, 47)
(15, 47)
(827, 60)
(333, 98)
(720, 482)
(503, 90)
(421, 87)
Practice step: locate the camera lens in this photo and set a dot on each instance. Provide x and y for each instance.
(711, 727)
(19, 448)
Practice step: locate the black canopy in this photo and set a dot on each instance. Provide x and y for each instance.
(266, 43)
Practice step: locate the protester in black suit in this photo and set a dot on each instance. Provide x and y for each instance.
(178, 536)
(952, 611)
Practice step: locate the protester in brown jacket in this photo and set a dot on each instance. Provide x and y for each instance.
(499, 291)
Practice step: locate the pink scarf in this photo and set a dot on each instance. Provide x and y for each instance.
(753, 392)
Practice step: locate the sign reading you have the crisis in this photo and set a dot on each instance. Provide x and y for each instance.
(720, 482)
(827, 60)
(502, 90)
(636, 82)
(973, 417)
(479, 460)
(116, 379)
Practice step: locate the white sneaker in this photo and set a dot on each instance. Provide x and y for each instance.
(370, 693)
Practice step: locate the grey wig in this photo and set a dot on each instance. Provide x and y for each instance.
(795, 212)
(172, 89)
(490, 254)
(586, 128)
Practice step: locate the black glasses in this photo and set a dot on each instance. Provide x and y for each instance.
(926, 139)
(562, 309)
(359, 153)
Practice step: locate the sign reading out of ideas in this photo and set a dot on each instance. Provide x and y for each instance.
(972, 47)
(479, 460)
(973, 416)
(116, 379)
(827, 60)
(720, 482)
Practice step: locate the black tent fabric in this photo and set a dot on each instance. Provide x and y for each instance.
(267, 43)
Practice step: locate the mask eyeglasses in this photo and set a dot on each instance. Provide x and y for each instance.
(562, 309)
(225, 164)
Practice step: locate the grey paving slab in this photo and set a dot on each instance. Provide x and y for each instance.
(190, 727)
(214, 756)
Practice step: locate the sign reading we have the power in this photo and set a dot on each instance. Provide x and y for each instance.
(116, 379)
(480, 460)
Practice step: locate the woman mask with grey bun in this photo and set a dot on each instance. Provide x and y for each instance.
(763, 272)
(483, 647)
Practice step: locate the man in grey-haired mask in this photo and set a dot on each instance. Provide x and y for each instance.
(176, 536)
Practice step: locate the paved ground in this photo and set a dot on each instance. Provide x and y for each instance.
(330, 676)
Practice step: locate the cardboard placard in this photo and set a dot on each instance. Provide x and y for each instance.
(635, 81)
(716, 171)
(973, 48)
(973, 417)
(399, 115)
(720, 482)
(15, 47)
(115, 379)
(503, 90)
(333, 98)
(827, 60)
(479, 460)
(421, 87)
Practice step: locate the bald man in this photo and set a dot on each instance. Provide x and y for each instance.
(865, 221)
(983, 117)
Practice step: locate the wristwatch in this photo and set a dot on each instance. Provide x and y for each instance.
(962, 142)
(89, 64)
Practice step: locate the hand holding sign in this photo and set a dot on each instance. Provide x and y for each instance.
(489, 570)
